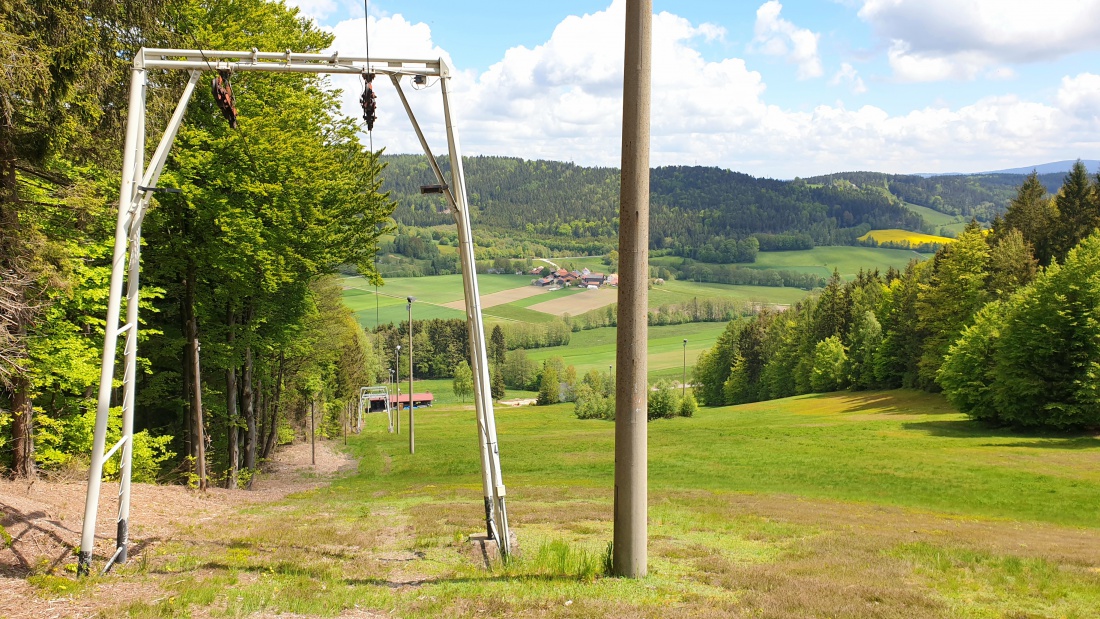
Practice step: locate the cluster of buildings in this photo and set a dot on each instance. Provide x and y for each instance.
(562, 278)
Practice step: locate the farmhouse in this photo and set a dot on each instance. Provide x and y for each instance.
(593, 279)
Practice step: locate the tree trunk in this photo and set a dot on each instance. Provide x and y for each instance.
(198, 435)
(263, 400)
(273, 424)
(231, 404)
(248, 402)
(22, 431)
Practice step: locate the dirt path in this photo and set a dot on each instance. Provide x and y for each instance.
(44, 518)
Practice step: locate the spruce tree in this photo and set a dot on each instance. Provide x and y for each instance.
(1078, 211)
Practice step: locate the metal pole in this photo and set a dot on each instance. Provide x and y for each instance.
(684, 381)
(397, 384)
(131, 151)
(479, 355)
(122, 533)
(631, 473)
(469, 287)
(412, 423)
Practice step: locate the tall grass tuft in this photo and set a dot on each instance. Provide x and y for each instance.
(557, 559)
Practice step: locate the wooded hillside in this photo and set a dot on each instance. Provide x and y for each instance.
(574, 210)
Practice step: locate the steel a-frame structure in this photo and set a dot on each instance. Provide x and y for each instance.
(139, 182)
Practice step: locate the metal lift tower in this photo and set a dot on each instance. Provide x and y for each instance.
(139, 181)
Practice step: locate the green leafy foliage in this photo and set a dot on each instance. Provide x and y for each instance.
(463, 383)
(662, 402)
(830, 360)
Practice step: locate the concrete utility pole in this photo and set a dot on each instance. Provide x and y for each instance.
(412, 426)
(631, 455)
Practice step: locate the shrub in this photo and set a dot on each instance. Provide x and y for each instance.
(688, 405)
(662, 402)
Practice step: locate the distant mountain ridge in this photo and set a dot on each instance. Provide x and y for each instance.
(1054, 167)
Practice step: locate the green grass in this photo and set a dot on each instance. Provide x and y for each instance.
(439, 288)
(932, 216)
(957, 228)
(511, 312)
(863, 505)
(822, 260)
(676, 291)
(430, 292)
(595, 348)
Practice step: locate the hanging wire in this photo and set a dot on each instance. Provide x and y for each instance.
(369, 93)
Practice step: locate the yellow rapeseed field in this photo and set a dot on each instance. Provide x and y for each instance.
(914, 238)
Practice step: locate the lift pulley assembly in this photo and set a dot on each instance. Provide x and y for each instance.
(223, 96)
(369, 101)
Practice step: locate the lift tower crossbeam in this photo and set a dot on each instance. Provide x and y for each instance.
(140, 182)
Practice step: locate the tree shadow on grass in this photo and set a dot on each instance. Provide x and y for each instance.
(967, 428)
(896, 402)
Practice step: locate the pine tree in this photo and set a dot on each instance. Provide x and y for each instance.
(497, 346)
(1032, 212)
(1078, 210)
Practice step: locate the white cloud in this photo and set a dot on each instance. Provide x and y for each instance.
(1080, 96)
(563, 100)
(776, 36)
(315, 9)
(848, 75)
(932, 40)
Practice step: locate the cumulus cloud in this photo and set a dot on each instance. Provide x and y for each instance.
(933, 40)
(563, 100)
(315, 9)
(776, 36)
(849, 76)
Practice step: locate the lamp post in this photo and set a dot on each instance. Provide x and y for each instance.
(684, 382)
(397, 382)
(389, 413)
(412, 427)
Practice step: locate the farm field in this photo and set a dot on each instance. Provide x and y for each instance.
(595, 348)
(895, 235)
(858, 505)
(932, 216)
(822, 260)
(441, 297)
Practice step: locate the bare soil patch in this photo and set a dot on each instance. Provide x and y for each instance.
(501, 298)
(44, 521)
(577, 304)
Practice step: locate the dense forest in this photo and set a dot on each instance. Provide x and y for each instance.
(1002, 321)
(238, 264)
(526, 208)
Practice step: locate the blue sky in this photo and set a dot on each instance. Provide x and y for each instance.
(777, 88)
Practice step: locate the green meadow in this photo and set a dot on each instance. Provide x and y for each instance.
(823, 260)
(856, 505)
(595, 349)
(932, 216)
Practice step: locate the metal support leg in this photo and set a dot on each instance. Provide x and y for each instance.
(478, 351)
(452, 191)
(132, 206)
(131, 155)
